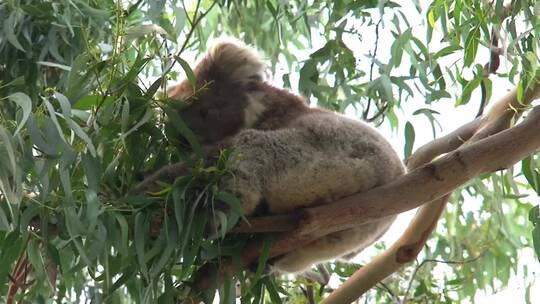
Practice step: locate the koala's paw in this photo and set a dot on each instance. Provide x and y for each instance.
(248, 194)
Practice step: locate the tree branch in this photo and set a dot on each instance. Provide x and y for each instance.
(438, 178)
(502, 113)
(402, 251)
(427, 216)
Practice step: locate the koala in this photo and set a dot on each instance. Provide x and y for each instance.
(286, 155)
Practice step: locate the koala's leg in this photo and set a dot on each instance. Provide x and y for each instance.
(332, 246)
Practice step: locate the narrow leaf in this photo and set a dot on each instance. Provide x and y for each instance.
(23, 101)
(187, 69)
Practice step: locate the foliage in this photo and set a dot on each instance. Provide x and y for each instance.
(81, 123)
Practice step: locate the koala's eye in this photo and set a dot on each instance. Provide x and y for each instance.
(203, 113)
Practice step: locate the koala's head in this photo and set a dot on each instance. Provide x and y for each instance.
(225, 98)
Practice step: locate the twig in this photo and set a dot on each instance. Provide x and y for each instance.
(389, 291)
(169, 173)
(188, 36)
(366, 110)
(424, 262)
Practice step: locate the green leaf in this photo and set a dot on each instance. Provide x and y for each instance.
(4, 222)
(400, 82)
(92, 170)
(272, 288)
(520, 94)
(139, 236)
(535, 218)
(171, 244)
(146, 117)
(54, 65)
(235, 205)
(265, 254)
(7, 142)
(432, 18)
(227, 292)
(446, 51)
(9, 30)
(15, 82)
(183, 129)
(199, 223)
(189, 72)
(80, 75)
(124, 118)
(124, 233)
(135, 69)
(126, 276)
(35, 257)
(471, 46)
(409, 139)
(89, 101)
(471, 86)
(385, 88)
(153, 88)
(9, 254)
(531, 174)
(397, 47)
(54, 120)
(23, 101)
(66, 111)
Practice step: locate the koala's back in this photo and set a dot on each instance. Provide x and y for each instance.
(317, 158)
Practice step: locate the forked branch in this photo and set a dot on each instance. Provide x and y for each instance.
(501, 115)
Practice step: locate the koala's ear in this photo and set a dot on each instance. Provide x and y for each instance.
(231, 61)
(228, 61)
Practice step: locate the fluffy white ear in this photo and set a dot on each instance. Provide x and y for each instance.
(236, 61)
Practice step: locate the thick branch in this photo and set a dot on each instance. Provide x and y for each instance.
(404, 250)
(424, 222)
(437, 179)
(500, 116)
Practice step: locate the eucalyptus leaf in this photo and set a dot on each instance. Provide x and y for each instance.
(66, 111)
(23, 101)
